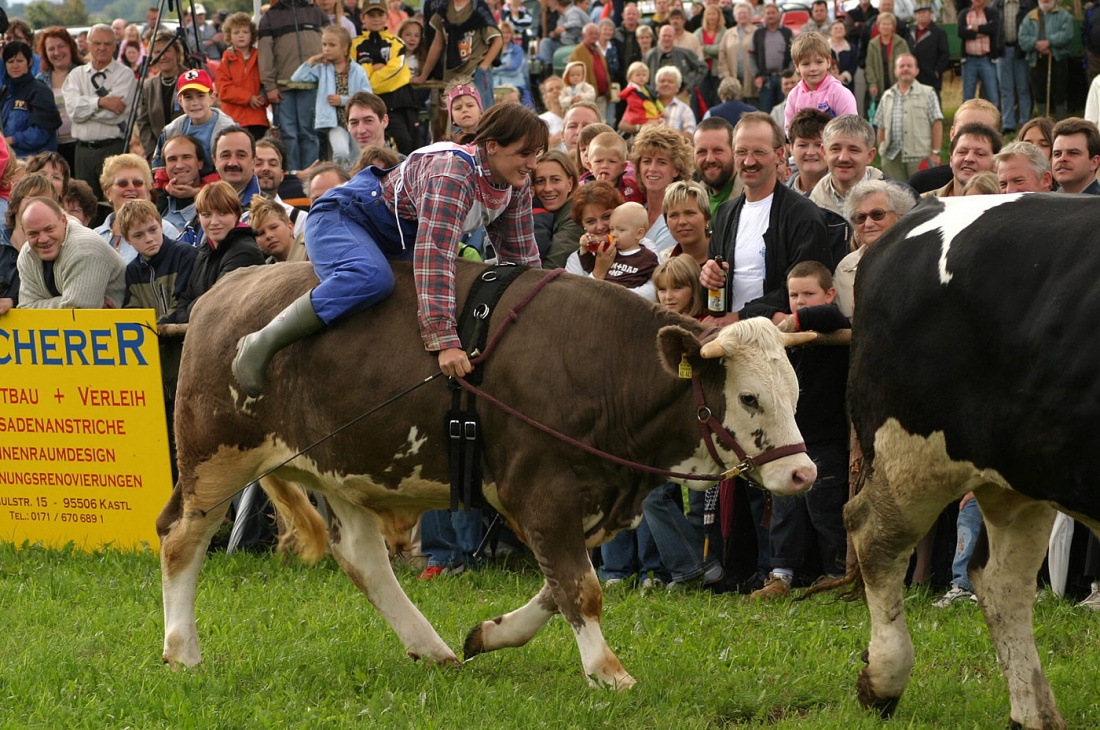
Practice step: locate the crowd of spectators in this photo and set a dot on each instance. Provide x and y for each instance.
(708, 147)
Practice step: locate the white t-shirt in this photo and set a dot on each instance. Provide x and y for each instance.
(748, 254)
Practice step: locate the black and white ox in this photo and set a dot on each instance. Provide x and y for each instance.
(973, 369)
(592, 361)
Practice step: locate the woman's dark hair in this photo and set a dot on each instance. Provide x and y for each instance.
(507, 124)
(81, 193)
(14, 48)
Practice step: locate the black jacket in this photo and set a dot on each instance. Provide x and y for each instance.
(932, 54)
(796, 232)
(992, 28)
(9, 273)
(760, 53)
(238, 250)
(822, 377)
(160, 282)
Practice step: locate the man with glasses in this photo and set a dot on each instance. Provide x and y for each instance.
(765, 231)
(98, 96)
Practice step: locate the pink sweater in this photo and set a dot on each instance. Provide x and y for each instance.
(830, 96)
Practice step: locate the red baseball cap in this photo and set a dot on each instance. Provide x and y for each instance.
(195, 78)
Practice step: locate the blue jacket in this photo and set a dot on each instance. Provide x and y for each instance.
(1059, 31)
(29, 115)
(325, 78)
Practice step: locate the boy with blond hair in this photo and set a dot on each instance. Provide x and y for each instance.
(607, 161)
(818, 89)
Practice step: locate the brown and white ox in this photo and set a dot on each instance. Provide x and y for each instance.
(591, 360)
(973, 370)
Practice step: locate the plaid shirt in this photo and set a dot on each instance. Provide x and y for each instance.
(979, 46)
(439, 189)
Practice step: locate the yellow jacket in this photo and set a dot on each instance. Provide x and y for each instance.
(385, 48)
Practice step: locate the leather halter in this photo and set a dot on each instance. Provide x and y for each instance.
(708, 424)
(711, 427)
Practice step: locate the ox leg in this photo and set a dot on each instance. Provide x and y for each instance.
(515, 628)
(360, 549)
(185, 533)
(1017, 529)
(574, 588)
(912, 481)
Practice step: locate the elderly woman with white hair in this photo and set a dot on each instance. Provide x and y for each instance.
(872, 207)
(677, 114)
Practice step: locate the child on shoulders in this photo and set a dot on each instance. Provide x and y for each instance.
(641, 105)
(576, 88)
(818, 89)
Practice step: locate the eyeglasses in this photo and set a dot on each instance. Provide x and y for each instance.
(139, 183)
(876, 215)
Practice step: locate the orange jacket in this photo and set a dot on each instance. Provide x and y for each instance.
(236, 81)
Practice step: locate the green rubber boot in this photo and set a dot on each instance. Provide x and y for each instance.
(255, 351)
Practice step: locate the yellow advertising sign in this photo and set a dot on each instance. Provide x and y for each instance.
(83, 435)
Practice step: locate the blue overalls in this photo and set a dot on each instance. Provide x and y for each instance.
(351, 235)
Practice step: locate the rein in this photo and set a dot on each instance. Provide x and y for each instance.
(708, 424)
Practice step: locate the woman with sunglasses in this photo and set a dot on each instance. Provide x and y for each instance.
(126, 177)
(872, 207)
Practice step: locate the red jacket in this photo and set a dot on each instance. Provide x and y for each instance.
(236, 81)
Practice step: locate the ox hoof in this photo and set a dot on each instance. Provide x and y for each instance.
(180, 654)
(883, 706)
(621, 683)
(475, 643)
(447, 660)
(179, 662)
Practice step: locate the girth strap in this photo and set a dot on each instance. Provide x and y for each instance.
(463, 424)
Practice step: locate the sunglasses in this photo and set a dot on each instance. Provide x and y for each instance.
(876, 215)
(128, 183)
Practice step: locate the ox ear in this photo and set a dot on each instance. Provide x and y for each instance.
(673, 342)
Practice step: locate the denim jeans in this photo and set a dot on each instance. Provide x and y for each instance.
(771, 93)
(814, 521)
(1013, 77)
(296, 128)
(679, 538)
(984, 68)
(967, 526)
(483, 82)
(450, 538)
(630, 552)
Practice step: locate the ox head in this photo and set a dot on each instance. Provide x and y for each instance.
(760, 392)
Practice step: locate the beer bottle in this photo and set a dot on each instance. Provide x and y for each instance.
(716, 298)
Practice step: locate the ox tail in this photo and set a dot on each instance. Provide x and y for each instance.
(301, 529)
(848, 588)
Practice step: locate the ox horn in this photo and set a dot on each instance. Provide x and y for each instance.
(794, 339)
(712, 350)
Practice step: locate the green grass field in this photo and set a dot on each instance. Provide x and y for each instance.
(287, 645)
